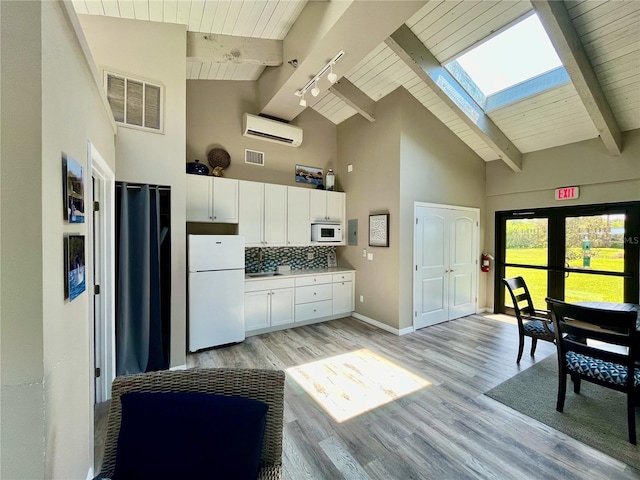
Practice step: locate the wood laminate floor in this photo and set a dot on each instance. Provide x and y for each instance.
(446, 429)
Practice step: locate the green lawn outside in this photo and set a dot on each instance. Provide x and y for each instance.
(578, 287)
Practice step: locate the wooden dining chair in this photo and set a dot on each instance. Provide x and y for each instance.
(532, 323)
(581, 359)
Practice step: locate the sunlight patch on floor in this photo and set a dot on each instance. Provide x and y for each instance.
(500, 317)
(348, 385)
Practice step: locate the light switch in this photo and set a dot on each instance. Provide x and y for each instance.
(350, 168)
(364, 253)
(369, 256)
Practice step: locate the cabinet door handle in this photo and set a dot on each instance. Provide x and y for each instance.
(314, 293)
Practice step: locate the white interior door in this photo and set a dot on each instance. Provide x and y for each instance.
(446, 269)
(431, 289)
(463, 266)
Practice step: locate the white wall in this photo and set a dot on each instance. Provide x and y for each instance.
(21, 283)
(406, 155)
(436, 167)
(214, 119)
(155, 52)
(602, 178)
(50, 105)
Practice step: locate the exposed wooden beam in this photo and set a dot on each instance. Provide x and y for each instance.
(413, 52)
(321, 31)
(563, 35)
(207, 47)
(354, 97)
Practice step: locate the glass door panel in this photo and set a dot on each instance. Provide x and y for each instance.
(527, 241)
(536, 283)
(583, 287)
(595, 242)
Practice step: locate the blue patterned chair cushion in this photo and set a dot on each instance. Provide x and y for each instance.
(536, 329)
(596, 368)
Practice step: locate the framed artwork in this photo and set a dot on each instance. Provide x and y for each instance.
(379, 230)
(75, 279)
(311, 175)
(72, 190)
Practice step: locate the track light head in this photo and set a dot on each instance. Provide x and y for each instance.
(315, 91)
(332, 77)
(303, 102)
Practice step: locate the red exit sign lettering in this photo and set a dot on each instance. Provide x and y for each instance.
(567, 193)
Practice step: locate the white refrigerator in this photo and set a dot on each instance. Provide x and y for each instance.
(216, 290)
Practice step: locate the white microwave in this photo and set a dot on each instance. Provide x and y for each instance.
(325, 232)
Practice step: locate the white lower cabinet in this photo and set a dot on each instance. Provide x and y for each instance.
(275, 302)
(268, 303)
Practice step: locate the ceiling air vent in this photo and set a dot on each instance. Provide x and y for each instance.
(253, 157)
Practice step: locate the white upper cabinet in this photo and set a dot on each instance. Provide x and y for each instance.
(298, 225)
(326, 206)
(225, 200)
(212, 199)
(198, 201)
(275, 215)
(250, 212)
(263, 214)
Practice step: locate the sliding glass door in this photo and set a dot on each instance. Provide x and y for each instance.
(583, 253)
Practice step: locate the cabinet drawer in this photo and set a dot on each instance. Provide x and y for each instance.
(343, 277)
(314, 293)
(313, 280)
(308, 311)
(257, 285)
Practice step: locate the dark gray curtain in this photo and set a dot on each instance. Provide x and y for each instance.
(140, 345)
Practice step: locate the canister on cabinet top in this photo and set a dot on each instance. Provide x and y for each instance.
(330, 180)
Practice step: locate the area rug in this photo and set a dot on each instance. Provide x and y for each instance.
(597, 416)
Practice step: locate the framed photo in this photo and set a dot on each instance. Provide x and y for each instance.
(379, 230)
(75, 282)
(72, 190)
(312, 175)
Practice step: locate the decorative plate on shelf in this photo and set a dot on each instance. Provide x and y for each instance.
(218, 157)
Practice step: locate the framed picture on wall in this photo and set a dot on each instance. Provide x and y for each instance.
(75, 279)
(312, 175)
(379, 230)
(72, 190)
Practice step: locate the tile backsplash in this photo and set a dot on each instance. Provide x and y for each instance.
(296, 257)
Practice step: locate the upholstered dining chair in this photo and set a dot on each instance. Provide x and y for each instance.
(575, 328)
(180, 418)
(532, 323)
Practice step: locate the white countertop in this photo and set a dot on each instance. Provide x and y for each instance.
(300, 273)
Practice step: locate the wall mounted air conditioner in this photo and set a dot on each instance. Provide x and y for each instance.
(271, 130)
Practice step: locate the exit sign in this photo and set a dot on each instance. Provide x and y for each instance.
(567, 193)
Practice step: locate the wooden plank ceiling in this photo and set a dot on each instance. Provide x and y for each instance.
(609, 32)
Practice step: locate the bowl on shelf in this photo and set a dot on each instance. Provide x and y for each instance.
(197, 168)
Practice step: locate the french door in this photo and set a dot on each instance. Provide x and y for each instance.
(446, 263)
(578, 253)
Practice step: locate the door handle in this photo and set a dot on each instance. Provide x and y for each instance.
(566, 264)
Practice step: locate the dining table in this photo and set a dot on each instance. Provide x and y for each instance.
(625, 307)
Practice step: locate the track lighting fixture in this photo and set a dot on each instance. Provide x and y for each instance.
(315, 91)
(332, 77)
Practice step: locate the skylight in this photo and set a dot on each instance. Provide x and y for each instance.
(515, 55)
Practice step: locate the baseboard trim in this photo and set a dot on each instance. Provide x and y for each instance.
(382, 326)
(485, 310)
(179, 367)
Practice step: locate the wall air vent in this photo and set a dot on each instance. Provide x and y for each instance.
(271, 130)
(254, 157)
(135, 103)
